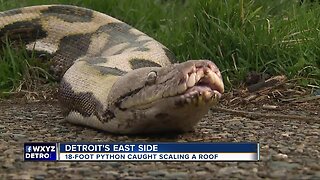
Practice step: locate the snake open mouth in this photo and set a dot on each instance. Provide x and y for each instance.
(204, 84)
(194, 83)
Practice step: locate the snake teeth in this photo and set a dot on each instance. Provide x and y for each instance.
(213, 79)
(205, 76)
(192, 80)
(199, 75)
(194, 77)
(207, 95)
(182, 88)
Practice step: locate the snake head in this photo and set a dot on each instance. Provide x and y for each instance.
(171, 98)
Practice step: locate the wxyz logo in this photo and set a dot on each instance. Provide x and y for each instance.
(41, 149)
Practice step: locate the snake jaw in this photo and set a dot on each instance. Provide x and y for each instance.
(176, 100)
(197, 82)
(203, 85)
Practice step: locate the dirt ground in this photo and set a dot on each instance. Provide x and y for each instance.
(289, 148)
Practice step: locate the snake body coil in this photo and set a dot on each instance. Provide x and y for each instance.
(112, 76)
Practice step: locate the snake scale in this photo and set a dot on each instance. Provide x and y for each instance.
(114, 77)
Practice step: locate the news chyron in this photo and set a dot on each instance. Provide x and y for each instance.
(133, 151)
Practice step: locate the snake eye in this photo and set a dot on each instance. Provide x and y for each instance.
(151, 78)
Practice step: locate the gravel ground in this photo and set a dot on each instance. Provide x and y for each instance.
(289, 148)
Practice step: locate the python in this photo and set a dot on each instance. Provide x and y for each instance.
(112, 76)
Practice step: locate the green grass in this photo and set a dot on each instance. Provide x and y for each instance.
(275, 36)
(20, 70)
